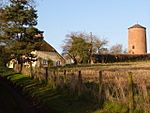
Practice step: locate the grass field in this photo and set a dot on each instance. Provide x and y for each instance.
(63, 100)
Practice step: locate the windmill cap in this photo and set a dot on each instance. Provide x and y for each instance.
(137, 26)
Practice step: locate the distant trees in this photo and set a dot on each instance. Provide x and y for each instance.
(17, 29)
(117, 49)
(98, 45)
(76, 47)
(80, 47)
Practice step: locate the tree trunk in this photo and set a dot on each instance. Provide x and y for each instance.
(20, 67)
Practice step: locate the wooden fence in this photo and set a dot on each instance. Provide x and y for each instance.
(131, 87)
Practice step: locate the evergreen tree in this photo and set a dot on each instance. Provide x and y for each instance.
(18, 20)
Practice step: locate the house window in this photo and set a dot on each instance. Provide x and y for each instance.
(58, 63)
(133, 47)
(45, 62)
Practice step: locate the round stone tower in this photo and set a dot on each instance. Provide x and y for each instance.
(137, 40)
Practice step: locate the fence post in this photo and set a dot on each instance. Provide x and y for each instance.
(79, 83)
(100, 95)
(46, 75)
(31, 70)
(54, 80)
(65, 77)
(130, 92)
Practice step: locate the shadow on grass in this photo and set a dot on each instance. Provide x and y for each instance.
(59, 100)
(8, 103)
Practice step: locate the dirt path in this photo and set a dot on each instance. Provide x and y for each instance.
(23, 105)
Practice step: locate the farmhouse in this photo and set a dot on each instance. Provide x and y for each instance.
(45, 55)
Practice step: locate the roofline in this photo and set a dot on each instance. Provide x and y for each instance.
(137, 26)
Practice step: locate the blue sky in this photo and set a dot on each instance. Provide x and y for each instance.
(108, 19)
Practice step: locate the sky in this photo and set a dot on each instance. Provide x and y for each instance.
(109, 19)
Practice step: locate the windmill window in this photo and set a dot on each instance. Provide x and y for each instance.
(133, 47)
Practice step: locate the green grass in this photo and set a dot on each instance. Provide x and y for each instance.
(56, 99)
(110, 107)
(61, 100)
(114, 107)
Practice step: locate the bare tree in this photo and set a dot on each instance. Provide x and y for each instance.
(125, 51)
(116, 49)
(98, 45)
(85, 44)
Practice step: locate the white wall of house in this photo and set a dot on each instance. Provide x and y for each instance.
(11, 63)
(57, 60)
(42, 59)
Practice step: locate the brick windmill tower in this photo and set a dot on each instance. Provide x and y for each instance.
(137, 43)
